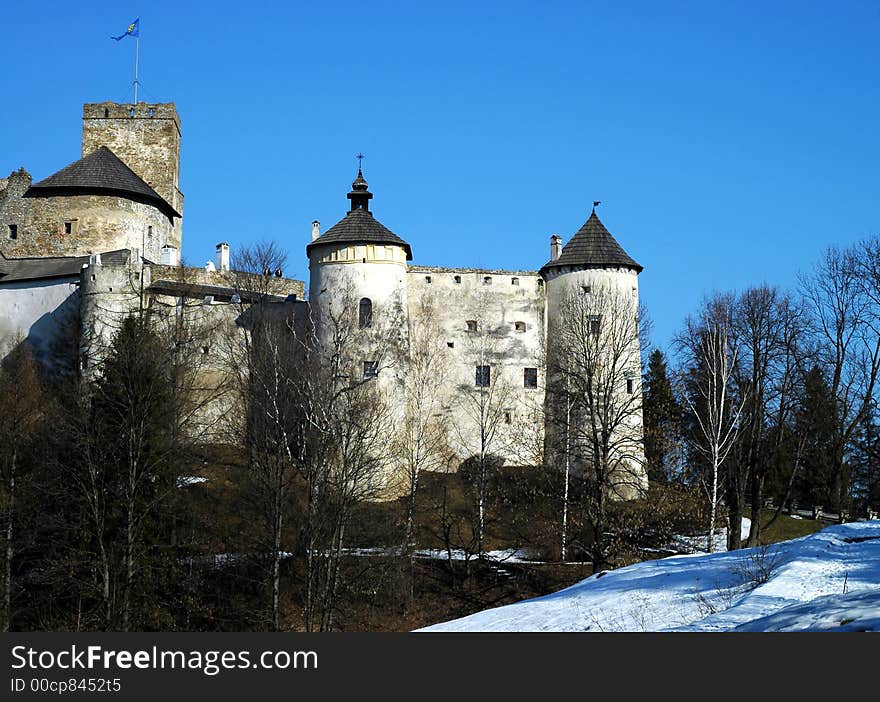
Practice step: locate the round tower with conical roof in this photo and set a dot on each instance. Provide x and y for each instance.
(592, 340)
(357, 284)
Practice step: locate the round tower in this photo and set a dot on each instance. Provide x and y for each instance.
(357, 285)
(592, 343)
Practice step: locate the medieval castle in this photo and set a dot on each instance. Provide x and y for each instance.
(104, 234)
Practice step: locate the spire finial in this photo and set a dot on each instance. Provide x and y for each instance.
(360, 157)
(596, 203)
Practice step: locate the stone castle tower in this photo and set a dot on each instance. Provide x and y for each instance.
(147, 138)
(122, 194)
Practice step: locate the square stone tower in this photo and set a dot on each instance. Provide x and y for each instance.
(147, 139)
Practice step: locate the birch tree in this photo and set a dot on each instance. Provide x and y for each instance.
(714, 408)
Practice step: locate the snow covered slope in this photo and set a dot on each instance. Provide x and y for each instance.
(829, 580)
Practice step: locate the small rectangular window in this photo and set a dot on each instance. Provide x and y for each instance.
(13, 231)
(68, 227)
(371, 369)
(507, 418)
(519, 326)
(514, 281)
(428, 280)
(630, 386)
(472, 325)
(450, 344)
(487, 280)
(530, 377)
(595, 323)
(482, 376)
(457, 279)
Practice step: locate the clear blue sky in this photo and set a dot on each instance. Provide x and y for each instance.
(728, 142)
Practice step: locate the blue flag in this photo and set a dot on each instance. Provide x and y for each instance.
(132, 31)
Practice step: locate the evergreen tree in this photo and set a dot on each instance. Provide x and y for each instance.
(661, 419)
(815, 427)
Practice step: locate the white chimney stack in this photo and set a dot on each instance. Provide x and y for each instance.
(209, 266)
(555, 247)
(223, 256)
(316, 229)
(169, 255)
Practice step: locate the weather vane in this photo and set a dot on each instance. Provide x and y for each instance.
(360, 158)
(596, 203)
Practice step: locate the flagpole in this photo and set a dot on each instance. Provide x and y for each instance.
(137, 42)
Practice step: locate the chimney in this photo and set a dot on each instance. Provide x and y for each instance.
(169, 255)
(316, 229)
(209, 266)
(555, 247)
(222, 256)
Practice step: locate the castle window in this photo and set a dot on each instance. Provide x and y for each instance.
(457, 280)
(530, 377)
(131, 112)
(13, 231)
(365, 313)
(472, 325)
(585, 289)
(487, 280)
(595, 323)
(519, 326)
(106, 113)
(371, 369)
(630, 386)
(206, 349)
(151, 112)
(514, 281)
(482, 376)
(540, 282)
(507, 418)
(428, 279)
(450, 344)
(68, 227)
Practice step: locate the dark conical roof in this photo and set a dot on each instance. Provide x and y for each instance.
(593, 246)
(359, 226)
(100, 172)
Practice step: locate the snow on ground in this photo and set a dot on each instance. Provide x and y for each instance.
(829, 580)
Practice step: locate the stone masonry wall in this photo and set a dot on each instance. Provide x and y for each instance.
(147, 138)
(98, 223)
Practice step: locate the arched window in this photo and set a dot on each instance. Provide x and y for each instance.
(365, 313)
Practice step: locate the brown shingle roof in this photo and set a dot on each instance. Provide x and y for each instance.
(359, 226)
(101, 172)
(593, 246)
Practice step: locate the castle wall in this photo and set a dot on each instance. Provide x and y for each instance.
(98, 223)
(146, 137)
(35, 311)
(508, 308)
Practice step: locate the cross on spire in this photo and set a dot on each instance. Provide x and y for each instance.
(360, 157)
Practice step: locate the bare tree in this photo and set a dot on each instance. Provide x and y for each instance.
(713, 357)
(842, 296)
(21, 409)
(484, 407)
(424, 442)
(595, 401)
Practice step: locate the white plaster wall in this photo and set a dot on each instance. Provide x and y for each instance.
(34, 310)
(496, 307)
